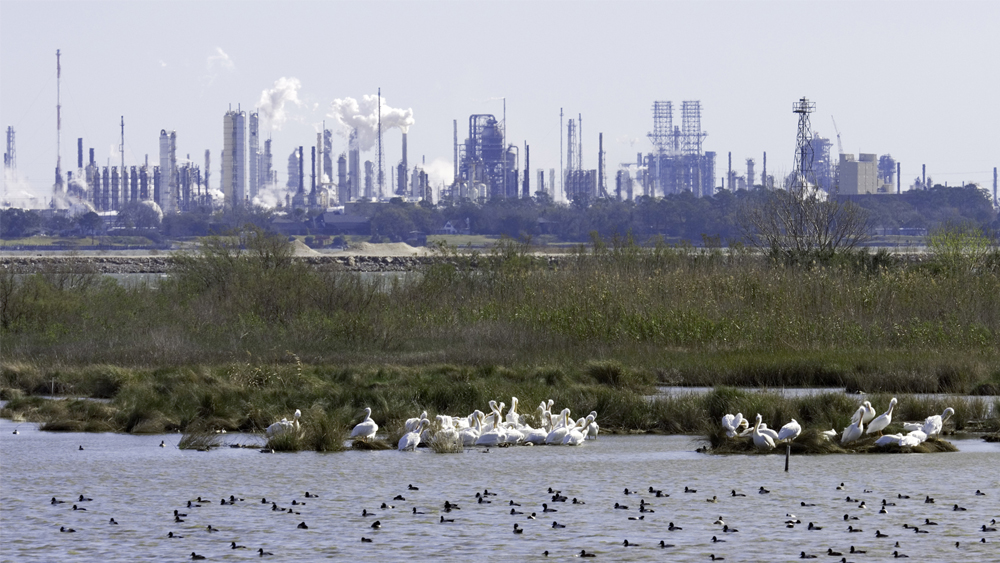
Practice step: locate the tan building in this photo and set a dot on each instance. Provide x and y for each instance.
(859, 176)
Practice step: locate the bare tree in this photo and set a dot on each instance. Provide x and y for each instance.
(803, 220)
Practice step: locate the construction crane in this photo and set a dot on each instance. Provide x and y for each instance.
(840, 148)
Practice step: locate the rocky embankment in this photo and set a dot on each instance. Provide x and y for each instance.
(165, 264)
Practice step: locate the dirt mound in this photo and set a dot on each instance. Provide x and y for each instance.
(386, 249)
(301, 249)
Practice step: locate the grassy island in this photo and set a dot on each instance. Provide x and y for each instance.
(241, 335)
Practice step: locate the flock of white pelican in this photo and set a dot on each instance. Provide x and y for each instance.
(489, 430)
(917, 432)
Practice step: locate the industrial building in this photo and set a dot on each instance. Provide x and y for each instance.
(869, 174)
(486, 168)
(678, 162)
(234, 159)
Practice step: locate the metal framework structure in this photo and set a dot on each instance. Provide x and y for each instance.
(10, 155)
(572, 144)
(803, 146)
(678, 162)
(691, 135)
(663, 127)
(253, 155)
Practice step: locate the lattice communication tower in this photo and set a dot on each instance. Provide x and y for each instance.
(803, 146)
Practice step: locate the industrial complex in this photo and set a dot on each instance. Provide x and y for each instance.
(487, 166)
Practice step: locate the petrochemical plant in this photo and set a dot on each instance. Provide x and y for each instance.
(486, 167)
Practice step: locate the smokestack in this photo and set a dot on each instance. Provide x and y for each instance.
(404, 151)
(898, 184)
(208, 167)
(527, 171)
(454, 124)
(319, 158)
(59, 180)
(92, 157)
(763, 179)
(923, 173)
(79, 152)
(731, 188)
(994, 186)
(302, 187)
(403, 172)
(312, 171)
(600, 164)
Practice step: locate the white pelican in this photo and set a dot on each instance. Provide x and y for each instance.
(412, 423)
(932, 425)
(534, 435)
(868, 414)
(471, 434)
(561, 429)
(445, 431)
(512, 416)
(284, 425)
(367, 428)
(914, 438)
(856, 429)
(762, 441)
(731, 424)
(883, 420)
(492, 437)
(428, 431)
(578, 433)
(831, 433)
(887, 439)
(768, 432)
(593, 428)
(411, 440)
(790, 431)
(513, 434)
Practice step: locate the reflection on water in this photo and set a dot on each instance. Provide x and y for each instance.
(139, 484)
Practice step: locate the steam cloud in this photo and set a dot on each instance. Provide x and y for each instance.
(363, 116)
(220, 59)
(271, 106)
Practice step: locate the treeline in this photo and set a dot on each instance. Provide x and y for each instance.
(709, 220)
(681, 216)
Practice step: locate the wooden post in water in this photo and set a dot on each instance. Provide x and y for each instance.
(788, 452)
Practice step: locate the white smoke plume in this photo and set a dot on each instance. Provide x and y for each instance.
(219, 59)
(273, 101)
(439, 172)
(272, 196)
(363, 116)
(19, 193)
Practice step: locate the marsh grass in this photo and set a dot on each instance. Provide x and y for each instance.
(200, 440)
(621, 312)
(446, 443)
(226, 398)
(376, 444)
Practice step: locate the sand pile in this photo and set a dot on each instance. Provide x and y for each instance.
(386, 249)
(301, 249)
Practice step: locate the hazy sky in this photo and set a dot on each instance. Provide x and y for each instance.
(918, 80)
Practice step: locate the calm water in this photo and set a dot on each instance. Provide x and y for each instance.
(139, 484)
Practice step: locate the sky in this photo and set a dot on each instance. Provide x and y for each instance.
(917, 80)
